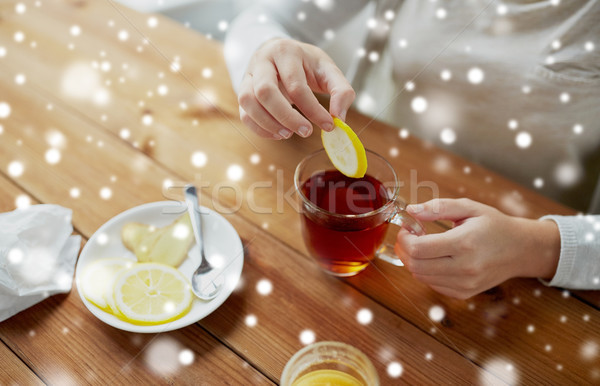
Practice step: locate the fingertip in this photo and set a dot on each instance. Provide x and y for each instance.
(338, 112)
(304, 131)
(327, 126)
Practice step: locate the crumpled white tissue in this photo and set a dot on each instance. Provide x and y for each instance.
(37, 256)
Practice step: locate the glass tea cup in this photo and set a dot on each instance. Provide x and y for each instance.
(345, 220)
(329, 363)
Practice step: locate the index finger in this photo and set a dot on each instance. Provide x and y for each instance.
(337, 86)
(271, 98)
(293, 78)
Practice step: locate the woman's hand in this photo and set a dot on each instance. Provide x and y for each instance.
(285, 72)
(483, 249)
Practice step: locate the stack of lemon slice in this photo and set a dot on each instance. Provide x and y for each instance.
(139, 293)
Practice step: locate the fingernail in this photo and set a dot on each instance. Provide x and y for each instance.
(285, 133)
(327, 126)
(415, 208)
(304, 131)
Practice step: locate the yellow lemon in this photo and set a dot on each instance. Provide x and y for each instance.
(96, 281)
(345, 150)
(152, 293)
(327, 377)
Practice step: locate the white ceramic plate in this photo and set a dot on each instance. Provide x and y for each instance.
(223, 248)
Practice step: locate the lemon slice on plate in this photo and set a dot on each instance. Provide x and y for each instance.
(345, 150)
(98, 278)
(152, 293)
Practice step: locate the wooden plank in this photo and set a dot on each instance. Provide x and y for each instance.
(13, 371)
(64, 344)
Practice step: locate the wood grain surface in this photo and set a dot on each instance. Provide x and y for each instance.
(134, 119)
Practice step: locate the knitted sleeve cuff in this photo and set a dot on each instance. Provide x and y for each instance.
(568, 251)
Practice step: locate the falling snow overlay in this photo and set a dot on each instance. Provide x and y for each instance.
(126, 113)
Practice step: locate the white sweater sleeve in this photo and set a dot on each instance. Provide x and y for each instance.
(579, 264)
(306, 21)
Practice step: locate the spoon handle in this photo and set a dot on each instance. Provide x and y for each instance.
(191, 198)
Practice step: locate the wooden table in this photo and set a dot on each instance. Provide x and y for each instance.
(133, 103)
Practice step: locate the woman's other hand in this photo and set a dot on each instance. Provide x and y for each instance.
(484, 248)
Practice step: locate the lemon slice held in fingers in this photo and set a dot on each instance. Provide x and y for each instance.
(152, 293)
(345, 150)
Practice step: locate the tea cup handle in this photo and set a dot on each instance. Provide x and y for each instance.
(404, 220)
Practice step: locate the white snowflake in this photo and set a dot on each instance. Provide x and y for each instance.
(325, 5)
(15, 169)
(23, 201)
(75, 192)
(446, 75)
(222, 25)
(162, 89)
(437, 313)
(52, 156)
(75, 30)
(20, 8)
(199, 159)
(589, 46)
(589, 350)
(364, 316)
(186, 357)
(307, 337)
(15, 255)
(106, 193)
(19, 36)
(448, 136)
(264, 287)
(251, 320)
(419, 104)
(395, 369)
(235, 172)
(523, 140)
(152, 22)
(123, 35)
(475, 75)
(4, 110)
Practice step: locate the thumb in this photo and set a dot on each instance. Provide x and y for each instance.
(445, 209)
